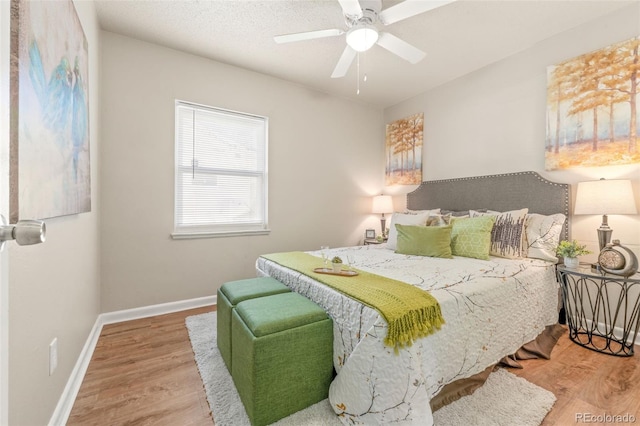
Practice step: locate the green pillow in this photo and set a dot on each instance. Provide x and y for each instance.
(471, 237)
(432, 241)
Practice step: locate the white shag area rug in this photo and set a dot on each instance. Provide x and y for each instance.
(504, 399)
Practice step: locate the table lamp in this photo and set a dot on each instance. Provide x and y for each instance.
(382, 204)
(605, 196)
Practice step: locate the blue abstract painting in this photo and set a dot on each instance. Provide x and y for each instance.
(50, 162)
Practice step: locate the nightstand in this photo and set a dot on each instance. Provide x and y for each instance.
(368, 241)
(612, 300)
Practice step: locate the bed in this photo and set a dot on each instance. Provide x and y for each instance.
(491, 307)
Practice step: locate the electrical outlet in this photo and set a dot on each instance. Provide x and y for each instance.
(53, 356)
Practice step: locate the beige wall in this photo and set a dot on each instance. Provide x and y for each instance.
(54, 288)
(325, 161)
(493, 121)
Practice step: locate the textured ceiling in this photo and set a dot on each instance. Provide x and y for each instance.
(459, 37)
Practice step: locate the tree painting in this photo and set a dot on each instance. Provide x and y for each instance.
(591, 109)
(403, 151)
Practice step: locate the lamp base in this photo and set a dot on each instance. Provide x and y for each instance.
(383, 222)
(604, 233)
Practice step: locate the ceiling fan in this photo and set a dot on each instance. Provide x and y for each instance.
(361, 19)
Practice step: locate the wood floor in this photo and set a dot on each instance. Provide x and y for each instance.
(586, 383)
(143, 373)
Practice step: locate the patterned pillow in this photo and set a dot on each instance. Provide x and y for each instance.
(403, 219)
(543, 234)
(460, 213)
(432, 211)
(507, 236)
(438, 219)
(471, 237)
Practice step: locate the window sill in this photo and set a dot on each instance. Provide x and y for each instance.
(218, 234)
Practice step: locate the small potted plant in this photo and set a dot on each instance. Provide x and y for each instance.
(570, 250)
(336, 262)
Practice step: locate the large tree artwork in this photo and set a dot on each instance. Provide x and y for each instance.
(591, 109)
(404, 151)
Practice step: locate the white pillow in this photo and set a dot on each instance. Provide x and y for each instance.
(404, 219)
(507, 236)
(543, 235)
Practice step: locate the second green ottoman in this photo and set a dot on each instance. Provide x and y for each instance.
(234, 292)
(282, 355)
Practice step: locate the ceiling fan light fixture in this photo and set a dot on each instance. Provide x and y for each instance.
(362, 37)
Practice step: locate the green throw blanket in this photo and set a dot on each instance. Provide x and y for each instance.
(409, 311)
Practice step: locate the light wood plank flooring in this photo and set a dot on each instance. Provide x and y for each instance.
(586, 382)
(143, 373)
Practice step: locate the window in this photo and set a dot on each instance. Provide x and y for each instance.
(221, 172)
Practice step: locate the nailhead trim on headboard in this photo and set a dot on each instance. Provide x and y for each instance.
(502, 192)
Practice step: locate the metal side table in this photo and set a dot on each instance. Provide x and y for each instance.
(602, 310)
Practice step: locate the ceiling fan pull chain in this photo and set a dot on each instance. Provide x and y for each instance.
(364, 65)
(358, 78)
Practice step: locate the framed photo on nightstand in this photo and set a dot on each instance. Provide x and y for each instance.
(370, 233)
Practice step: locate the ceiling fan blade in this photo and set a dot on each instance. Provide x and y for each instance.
(409, 8)
(344, 63)
(400, 47)
(309, 35)
(351, 8)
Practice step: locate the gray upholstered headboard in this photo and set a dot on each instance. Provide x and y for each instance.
(503, 192)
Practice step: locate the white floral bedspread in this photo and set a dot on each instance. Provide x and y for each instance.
(491, 308)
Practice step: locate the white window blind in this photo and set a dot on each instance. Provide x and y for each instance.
(221, 172)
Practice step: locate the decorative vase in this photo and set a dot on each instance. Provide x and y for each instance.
(571, 262)
(337, 267)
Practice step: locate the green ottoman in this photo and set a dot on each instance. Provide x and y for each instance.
(282, 355)
(234, 292)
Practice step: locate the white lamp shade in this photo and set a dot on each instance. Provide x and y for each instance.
(382, 204)
(362, 37)
(605, 196)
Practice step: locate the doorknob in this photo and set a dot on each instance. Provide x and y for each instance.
(25, 232)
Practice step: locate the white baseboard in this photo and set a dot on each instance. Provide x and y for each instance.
(68, 397)
(153, 310)
(65, 403)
